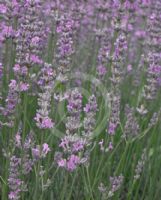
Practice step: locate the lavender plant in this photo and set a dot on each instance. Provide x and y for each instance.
(80, 99)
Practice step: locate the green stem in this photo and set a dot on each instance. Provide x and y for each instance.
(65, 187)
(89, 182)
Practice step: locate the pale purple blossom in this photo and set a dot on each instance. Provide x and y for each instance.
(72, 162)
(45, 149)
(112, 128)
(36, 153)
(62, 163)
(44, 122)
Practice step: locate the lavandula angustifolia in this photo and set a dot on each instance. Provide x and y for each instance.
(140, 165)
(131, 128)
(8, 13)
(43, 121)
(46, 83)
(72, 144)
(11, 101)
(71, 157)
(131, 20)
(142, 16)
(90, 113)
(138, 59)
(115, 184)
(27, 147)
(77, 12)
(29, 42)
(118, 59)
(75, 144)
(131, 7)
(104, 35)
(89, 124)
(154, 49)
(9, 10)
(104, 51)
(87, 23)
(154, 119)
(74, 109)
(143, 7)
(27, 161)
(154, 27)
(38, 152)
(65, 31)
(16, 185)
(23, 149)
(153, 73)
(22, 163)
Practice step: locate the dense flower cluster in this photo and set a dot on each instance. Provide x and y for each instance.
(15, 183)
(72, 143)
(46, 82)
(65, 30)
(89, 121)
(131, 128)
(140, 165)
(74, 109)
(153, 54)
(12, 99)
(75, 146)
(115, 184)
(24, 165)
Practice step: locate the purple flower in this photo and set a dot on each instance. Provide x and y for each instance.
(18, 140)
(62, 163)
(155, 69)
(64, 143)
(35, 40)
(13, 84)
(101, 70)
(44, 122)
(129, 68)
(11, 102)
(74, 108)
(45, 149)
(36, 153)
(91, 106)
(47, 123)
(3, 9)
(87, 108)
(13, 195)
(112, 127)
(46, 82)
(23, 86)
(72, 162)
(78, 146)
(17, 68)
(65, 46)
(116, 183)
(140, 34)
(35, 59)
(110, 146)
(14, 181)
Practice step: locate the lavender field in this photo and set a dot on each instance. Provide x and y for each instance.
(80, 99)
